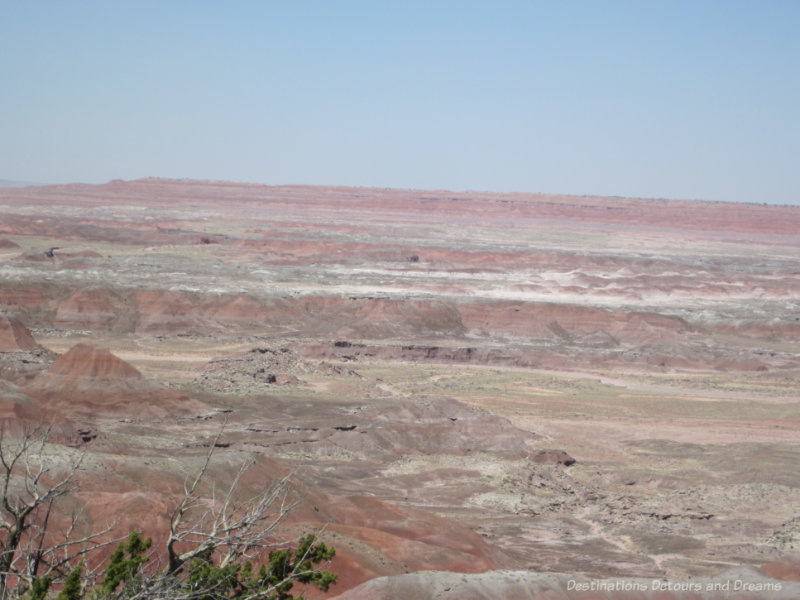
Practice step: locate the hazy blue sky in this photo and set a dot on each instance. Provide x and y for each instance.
(644, 98)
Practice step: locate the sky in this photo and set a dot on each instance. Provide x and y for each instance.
(647, 98)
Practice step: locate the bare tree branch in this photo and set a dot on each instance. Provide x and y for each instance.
(220, 530)
(30, 488)
(229, 528)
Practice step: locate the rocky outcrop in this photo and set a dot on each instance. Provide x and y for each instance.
(21, 358)
(552, 457)
(22, 366)
(441, 426)
(259, 369)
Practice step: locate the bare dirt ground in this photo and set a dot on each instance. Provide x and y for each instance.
(571, 386)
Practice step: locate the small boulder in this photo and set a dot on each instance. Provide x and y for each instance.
(552, 457)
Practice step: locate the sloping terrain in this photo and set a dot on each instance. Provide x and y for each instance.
(535, 389)
(14, 335)
(92, 380)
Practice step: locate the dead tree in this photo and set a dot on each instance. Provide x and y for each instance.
(229, 527)
(227, 533)
(30, 488)
(220, 530)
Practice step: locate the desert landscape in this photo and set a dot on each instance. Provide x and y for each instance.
(472, 395)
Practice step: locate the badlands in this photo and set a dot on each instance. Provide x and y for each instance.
(473, 395)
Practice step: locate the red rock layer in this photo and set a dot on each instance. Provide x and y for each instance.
(91, 380)
(88, 361)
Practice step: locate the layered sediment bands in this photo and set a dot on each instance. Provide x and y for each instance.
(401, 206)
(92, 380)
(501, 332)
(33, 303)
(16, 405)
(343, 335)
(433, 427)
(20, 414)
(346, 317)
(580, 324)
(178, 311)
(305, 315)
(87, 365)
(90, 230)
(372, 537)
(763, 331)
(88, 375)
(172, 312)
(512, 333)
(394, 538)
(301, 250)
(88, 309)
(386, 431)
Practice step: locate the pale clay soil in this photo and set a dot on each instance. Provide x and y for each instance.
(415, 359)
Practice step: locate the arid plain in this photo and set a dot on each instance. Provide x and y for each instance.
(537, 389)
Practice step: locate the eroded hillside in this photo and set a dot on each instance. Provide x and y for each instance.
(472, 382)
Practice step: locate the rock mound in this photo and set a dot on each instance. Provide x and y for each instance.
(85, 365)
(88, 379)
(8, 244)
(23, 366)
(14, 335)
(552, 457)
(257, 370)
(88, 374)
(21, 358)
(431, 427)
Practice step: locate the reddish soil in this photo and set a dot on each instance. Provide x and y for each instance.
(88, 364)
(14, 335)
(88, 380)
(477, 383)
